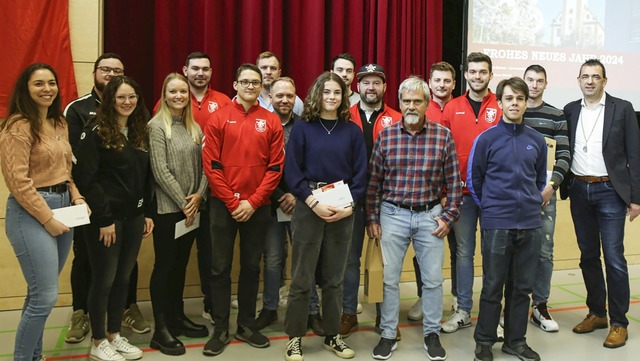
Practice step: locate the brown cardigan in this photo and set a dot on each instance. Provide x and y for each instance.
(27, 165)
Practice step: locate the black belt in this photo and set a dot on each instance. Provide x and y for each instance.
(428, 207)
(56, 188)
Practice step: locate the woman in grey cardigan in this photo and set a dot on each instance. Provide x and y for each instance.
(180, 187)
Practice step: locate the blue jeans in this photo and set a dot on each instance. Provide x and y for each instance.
(598, 216)
(542, 284)
(274, 261)
(509, 261)
(399, 228)
(41, 258)
(465, 230)
(352, 272)
(275, 257)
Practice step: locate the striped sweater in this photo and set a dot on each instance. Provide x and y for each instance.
(551, 122)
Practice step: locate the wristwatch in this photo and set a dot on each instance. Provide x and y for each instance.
(554, 185)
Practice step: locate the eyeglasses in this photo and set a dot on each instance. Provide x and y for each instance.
(106, 70)
(123, 98)
(245, 83)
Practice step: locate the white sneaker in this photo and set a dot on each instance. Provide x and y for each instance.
(541, 317)
(454, 305)
(104, 352)
(359, 308)
(124, 348)
(458, 319)
(283, 299)
(234, 303)
(415, 313)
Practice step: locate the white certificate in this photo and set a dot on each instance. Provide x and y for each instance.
(182, 229)
(282, 217)
(72, 216)
(335, 194)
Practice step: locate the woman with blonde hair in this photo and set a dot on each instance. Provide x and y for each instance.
(175, 141)
(36, 164)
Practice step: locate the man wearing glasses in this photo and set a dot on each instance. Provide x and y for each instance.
(78, 113)
(243, 155)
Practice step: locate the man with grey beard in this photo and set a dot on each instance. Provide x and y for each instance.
(403, 204)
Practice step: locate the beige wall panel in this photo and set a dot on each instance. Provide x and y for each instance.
(85, 22)
(84, 77)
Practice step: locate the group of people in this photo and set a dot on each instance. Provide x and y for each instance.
(252, 165)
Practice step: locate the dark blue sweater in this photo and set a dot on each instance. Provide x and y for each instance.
(313, 155)
(505, 175)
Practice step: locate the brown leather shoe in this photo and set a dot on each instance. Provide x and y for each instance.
(348, 324)
(591, 323)
(617, 337)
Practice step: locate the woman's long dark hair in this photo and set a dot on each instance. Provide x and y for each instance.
(107, 117)
(22, 106)
(313, 102)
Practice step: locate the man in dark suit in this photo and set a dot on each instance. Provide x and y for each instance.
(605, 187)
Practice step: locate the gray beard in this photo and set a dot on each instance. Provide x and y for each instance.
(412, 119)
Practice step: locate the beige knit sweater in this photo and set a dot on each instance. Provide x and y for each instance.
(27, 165)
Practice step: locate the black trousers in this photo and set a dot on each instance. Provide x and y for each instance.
(81, 274)
(170, 267)
(252, 239)
(112, 268)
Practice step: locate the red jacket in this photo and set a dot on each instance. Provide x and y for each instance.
(212, 101)
(387, 117)
(434, 112)
(459, 117)
(243, 154)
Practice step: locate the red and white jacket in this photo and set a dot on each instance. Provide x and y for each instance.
(460, 118)
(385, 118)
(243, 154)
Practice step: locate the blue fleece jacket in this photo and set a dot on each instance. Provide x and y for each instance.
(505, 175)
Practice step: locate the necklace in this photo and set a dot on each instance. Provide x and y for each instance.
(328, 130)
(586, 138)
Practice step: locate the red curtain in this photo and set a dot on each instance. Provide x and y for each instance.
(32, 32)
(404, 36)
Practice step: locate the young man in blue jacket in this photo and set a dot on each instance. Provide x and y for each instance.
(505, 176)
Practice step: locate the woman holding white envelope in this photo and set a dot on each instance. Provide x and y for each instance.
(324, 148)
(175, 141)
(114, 174)
(36, 164)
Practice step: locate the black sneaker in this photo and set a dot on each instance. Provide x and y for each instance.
(483, 353)
(216, 344)
(435, 351)
(266, 318)
(337, 346)
(383, 349)
(253, 338)
(315, 324)
(294, 350)
(522, 351)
